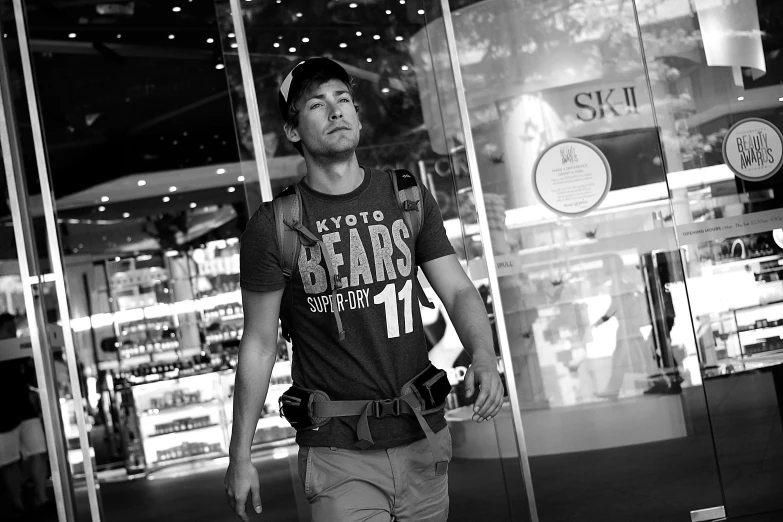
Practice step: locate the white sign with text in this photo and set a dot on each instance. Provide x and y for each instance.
(753, 148)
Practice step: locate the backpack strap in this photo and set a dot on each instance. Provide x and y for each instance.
(291, 233)
(409, 197)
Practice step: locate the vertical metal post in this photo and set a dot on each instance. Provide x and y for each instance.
(252, 102)
(55, 252)
(489, 253)
(27, 256)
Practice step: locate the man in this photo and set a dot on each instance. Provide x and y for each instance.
(356, 328)
(22, 438)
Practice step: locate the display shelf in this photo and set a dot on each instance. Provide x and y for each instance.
(155, 435)
(155, 412)
(189, 458)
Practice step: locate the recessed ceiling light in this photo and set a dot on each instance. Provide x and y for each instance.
(171, 37)
(119, 36)
(166, 199)
(241, 179)
(172, 189)
(305, 39)
(421, 11)
(399, 38)
(219, 66)
(116, 259)
(404, 67)
(234, 45)
(72, 35)
(210, 40)
(280, 37)
(353, 5)
(358, 33)
(376, 37)
(343, 45)
(176, 9)
(292, 49)
(104, 199)
(388, 11)
(402, 2)
(231, 35)
(142, 183)
(193, 205)
(385, 90)
(276, 44)
(221, 171)
(231, 189)
(126, 215)
(299, 15)
(369, 60)
(740, 98)
(780, 99)
(101, 209)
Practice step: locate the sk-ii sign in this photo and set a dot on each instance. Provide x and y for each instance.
(607, 102)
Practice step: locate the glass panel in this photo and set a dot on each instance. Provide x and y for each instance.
(716, 73)
(387, 48)
(589, 275)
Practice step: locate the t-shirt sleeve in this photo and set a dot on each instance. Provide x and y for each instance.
(259, 257)
(432, 241)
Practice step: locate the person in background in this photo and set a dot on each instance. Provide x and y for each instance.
(22, 441)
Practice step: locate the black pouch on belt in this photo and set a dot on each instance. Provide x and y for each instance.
(296, 406)
(431, 387)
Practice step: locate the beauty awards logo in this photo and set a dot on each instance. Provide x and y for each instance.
(753, 149)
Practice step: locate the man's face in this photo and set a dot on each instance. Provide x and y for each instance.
(328, 122)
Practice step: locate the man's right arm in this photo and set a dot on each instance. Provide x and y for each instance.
(257, 354)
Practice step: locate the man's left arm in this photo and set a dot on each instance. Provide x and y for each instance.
(469, 317)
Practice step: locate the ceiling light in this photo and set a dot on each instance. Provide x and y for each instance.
(343, 45)
(358, 33)
(176, 9)
(369, 60)
(126, 215)
(142, 183)
(234, 45)
(171, 37)
(231, 189)
(353, 5)
(219, 66)
(166, 199)
(404, 67)
(398, 38)
(740, 98)
(292, 49)
(402, 2)
(101, 209)
(388, 11)
(193, 205)
(385, 90)
(119, 36)
(72, 35)
(172, 189)
(104, 199)
(241, 179)
(231, 35)
(780, 99)
(210, 40)
(280, 37)
(221, 171)
(276, 44)
(116, 259)
(376, 37)
(299, 15)
(305, 39)
(421, 11)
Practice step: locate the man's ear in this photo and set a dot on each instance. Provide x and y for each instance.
(291, 133)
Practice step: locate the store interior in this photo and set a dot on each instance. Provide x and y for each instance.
(156, 163)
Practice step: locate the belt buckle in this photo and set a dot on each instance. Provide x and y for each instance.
(386, 407)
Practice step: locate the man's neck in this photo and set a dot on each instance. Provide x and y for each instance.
(334, 177)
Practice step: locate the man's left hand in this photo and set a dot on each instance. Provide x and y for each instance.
(483, 373)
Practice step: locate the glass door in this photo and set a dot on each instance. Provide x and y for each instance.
(717, 86)
(587, 272)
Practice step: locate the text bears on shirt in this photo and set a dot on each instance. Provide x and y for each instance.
(382, 242)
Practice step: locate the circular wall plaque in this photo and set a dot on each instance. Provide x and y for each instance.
(753, 148)
(572, 177)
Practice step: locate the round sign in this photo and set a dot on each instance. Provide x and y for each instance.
(753, 148)
(572, 177)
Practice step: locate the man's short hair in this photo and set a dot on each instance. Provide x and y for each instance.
(305, 76)
(6, 319)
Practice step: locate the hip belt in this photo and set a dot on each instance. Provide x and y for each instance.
(425, 393)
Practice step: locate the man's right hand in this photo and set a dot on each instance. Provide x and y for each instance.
(241, 479)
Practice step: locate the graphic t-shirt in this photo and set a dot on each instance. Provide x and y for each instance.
(375, 256)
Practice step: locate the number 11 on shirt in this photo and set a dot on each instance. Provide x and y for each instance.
(389, 298)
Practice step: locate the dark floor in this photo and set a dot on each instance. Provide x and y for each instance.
(657, 482)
